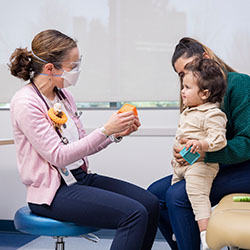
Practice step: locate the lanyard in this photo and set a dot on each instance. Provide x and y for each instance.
(62, 97)
(67, 175)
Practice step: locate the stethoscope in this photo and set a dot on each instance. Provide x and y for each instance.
(66, 103)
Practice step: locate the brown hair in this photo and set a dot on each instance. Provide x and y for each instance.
(49, 45)
(209, 77)
(189, 47)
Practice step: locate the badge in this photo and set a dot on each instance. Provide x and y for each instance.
(67, 176)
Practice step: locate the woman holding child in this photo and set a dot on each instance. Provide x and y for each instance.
(177, 217)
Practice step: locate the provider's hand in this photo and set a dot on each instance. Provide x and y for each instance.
(134, 127)
(120, 122)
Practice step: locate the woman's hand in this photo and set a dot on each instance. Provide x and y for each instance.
(134, 127)
(178, 157)
(121, 122)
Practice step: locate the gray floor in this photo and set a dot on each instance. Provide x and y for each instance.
(75, 243)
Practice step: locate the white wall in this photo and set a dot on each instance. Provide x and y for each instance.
(140, 159)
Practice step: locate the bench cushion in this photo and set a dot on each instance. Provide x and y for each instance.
(229, 224)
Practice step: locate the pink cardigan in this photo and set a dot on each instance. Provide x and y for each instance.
(39, 147)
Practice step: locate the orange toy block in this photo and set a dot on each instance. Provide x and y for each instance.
(128, 107)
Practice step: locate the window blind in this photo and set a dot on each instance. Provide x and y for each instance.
(127, 45)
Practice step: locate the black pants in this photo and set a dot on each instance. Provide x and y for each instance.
(107, 203)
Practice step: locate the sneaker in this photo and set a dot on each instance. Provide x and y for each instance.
(203, 241)
(173, 238)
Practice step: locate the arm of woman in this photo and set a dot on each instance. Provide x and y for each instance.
(108, 141)
(134, 127)
(83, 133)
(33, 129)
(237, 107)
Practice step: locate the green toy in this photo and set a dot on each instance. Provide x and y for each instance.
(241, 198)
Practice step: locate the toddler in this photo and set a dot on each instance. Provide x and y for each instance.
(203, 124)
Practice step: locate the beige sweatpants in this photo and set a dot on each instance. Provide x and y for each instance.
(199, 178)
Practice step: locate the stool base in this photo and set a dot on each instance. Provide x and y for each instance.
(60, 244)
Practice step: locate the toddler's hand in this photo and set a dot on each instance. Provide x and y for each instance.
(195, 145)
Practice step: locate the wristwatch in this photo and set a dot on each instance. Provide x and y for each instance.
(111, 137)
(115, 139)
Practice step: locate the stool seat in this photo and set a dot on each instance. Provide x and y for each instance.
(27, 222)
(229, 224)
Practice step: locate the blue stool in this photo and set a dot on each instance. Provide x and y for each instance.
(27, 222)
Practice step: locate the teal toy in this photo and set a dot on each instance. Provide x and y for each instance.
(188, 156)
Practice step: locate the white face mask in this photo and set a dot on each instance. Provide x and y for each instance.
(70, 78)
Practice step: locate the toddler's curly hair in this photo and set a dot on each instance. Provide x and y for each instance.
(209, 76)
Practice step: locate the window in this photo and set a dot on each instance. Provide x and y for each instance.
(117, 105)
(127, 44)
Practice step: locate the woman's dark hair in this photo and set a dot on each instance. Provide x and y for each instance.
(210, 76)
(189, 47)
(49, 45)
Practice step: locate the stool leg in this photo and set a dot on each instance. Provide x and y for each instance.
(59, 243)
